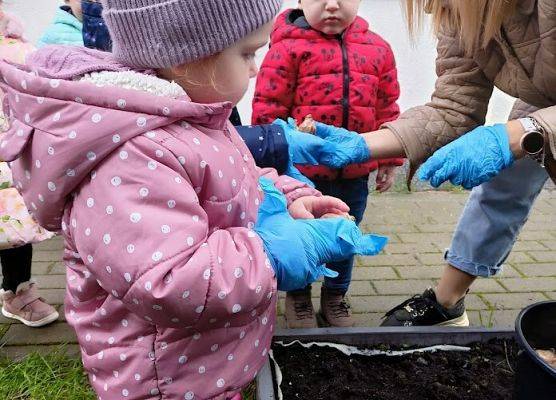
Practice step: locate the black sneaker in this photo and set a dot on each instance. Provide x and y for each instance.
(424, 310)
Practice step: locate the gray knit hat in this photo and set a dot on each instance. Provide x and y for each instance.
(165, 33)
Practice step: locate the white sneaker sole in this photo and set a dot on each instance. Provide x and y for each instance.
(462, 321)
(33, 324)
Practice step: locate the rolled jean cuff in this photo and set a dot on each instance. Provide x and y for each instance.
(471, 267)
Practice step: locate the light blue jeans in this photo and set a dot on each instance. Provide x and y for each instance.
(493, 217)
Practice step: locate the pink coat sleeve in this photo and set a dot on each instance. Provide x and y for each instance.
(145, 237)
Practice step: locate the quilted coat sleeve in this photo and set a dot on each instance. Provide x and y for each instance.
(388, 95)
(459, 104)
(547, 118)
(157, 253)
(274, 92)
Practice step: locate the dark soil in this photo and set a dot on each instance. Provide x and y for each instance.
(485, 372)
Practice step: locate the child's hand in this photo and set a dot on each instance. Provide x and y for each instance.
(310, 207)
(385, 177)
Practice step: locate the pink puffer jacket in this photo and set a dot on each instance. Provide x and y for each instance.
(168, 288)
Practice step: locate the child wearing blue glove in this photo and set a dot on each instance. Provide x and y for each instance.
(325, 62)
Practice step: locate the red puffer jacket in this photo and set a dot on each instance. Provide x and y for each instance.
(349, 80)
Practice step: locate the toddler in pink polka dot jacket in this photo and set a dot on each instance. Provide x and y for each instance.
(131, 157)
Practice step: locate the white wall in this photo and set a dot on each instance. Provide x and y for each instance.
(415, 61)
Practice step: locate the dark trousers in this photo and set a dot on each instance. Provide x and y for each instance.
(354, 192)
(16, 266)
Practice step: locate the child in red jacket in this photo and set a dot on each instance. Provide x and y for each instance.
(324, 61)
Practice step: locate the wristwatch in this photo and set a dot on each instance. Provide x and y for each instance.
(532, 141)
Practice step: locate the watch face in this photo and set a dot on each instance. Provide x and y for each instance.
(533, 142)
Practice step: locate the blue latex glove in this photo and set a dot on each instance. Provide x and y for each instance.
(298, 249)
(332, 147)
(471, 160)
(294, 173)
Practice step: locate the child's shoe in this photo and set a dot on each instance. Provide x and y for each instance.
(335, 310)
(27, 306)
(299, 310)
(424, 310)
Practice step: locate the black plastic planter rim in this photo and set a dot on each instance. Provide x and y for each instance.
(525, 344)
(425, 335)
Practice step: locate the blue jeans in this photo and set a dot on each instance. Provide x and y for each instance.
(354, 193)
(493, 217)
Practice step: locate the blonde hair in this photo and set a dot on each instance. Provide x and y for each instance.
(208, 65)
(476, 21)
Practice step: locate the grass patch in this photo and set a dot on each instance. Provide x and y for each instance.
(53, 376)
(44, 377)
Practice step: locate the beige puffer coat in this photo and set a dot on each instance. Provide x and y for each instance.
(522, 63)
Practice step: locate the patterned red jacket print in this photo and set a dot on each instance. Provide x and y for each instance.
(348, 81)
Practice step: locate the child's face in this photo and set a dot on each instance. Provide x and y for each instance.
(227, 77)
(75, 6)
(331, 17)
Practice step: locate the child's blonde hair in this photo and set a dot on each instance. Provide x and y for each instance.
(209, 65)
(476, 21)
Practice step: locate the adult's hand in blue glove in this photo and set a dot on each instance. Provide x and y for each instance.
(330, 146)
(298, 249)
(471, 160)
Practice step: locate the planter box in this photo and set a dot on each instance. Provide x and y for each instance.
(370, 337)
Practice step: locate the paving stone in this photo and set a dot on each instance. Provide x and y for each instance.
(58, 333)
(51, 281)
(538, 269)
(58, 268)
(474, 302)
(56, 243)
(402, 286)
(490, 285)
(530, 284)
(531, 245)
(538, 226)
(509, 271)
(544, 256)
(386, 229)
(19, 352)
(434, 238)
(549, 244)
(431, 258)
(360, 288)
(41, 267)
(436, 228)
(492, 318)
(373, 273)
(535, 235)
(379, 304)
(420, 272)
(388, 260)
(368, 319)
(47, 255)
(512, 301)
(519, 257)
(410, 248)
